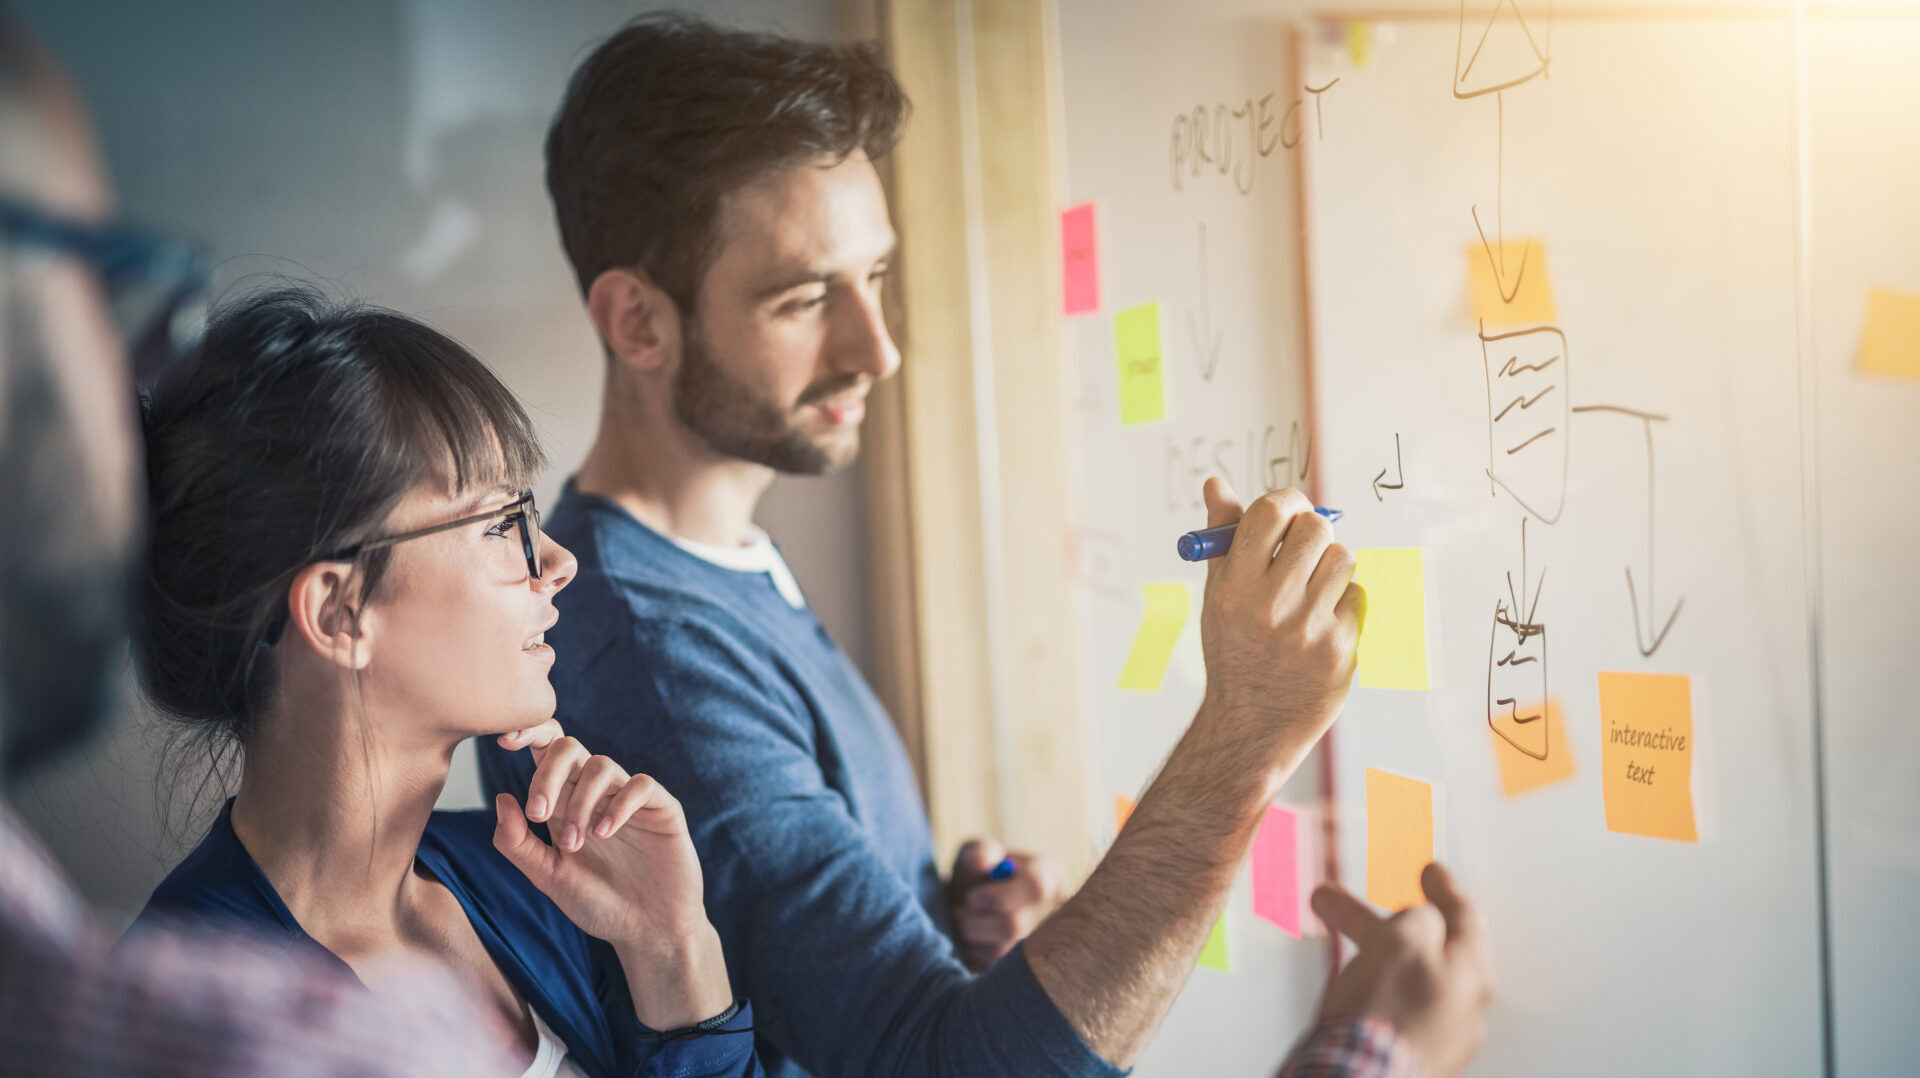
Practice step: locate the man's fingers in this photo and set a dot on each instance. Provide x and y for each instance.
(518, 844)
(1462, 917)
(1005, 896)
(1223, 507)
(1328, 584)
(994, 930)
(1352, 608)
(976, 858)
(1346, 914)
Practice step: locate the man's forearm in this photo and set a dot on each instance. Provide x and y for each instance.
(1115, 956)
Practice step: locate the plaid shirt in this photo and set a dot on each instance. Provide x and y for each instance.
(167, 1003)
(1351, 1048)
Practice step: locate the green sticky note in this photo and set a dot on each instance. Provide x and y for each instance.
(1166, 614)
(1215, 952)
(1393, 642)
(1136, 341)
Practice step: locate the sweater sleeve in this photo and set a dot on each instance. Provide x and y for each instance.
(848, 972)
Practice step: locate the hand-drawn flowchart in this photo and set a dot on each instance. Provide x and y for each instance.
(1528, 368)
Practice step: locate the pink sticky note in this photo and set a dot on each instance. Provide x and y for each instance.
(1276, 870)
(1080, 266)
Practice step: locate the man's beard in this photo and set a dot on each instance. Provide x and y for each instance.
(735, 420)
(65, 575)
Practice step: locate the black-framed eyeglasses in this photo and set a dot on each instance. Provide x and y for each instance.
(521, 512)
(156, 285)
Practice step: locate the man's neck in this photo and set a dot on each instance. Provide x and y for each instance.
(644, 460)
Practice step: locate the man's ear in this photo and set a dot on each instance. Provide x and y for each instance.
(637, 320)
(324, 615)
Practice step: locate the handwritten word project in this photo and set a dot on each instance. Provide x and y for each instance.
(1399, 838)
(1393, 640)
(1136, 343)
(1646, 754)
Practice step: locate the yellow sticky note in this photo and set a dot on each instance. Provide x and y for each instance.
(1153, 645)
(1215, 952)
(1393, 642)
(1359, 41)
(1528, 762)
(1508, 282)
(1122, 811)
(1890, 335)
(1399, 838)
(1646, 754)
(1136, 341)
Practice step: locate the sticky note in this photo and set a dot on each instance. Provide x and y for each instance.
(1359, 47)
(1122, 811)
(1890, 335)
(1136, 341)
(1160, 626)
(1393, 642)
(1508, 282)
(1530, 764)
(1215, 952)
(1276, 869)
(1399, 838)
(1080, 260)
(1646, 754)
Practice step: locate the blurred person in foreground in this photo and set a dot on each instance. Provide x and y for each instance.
(167, 1003)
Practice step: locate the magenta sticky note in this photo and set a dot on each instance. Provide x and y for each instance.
(1276, 869)
(1080, 260)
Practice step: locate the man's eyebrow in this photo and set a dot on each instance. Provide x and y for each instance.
(802, 278)
(480, 499)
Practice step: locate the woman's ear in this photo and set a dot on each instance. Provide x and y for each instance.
(324, 615)
(639, 323)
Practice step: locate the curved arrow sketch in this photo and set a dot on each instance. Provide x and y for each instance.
(1399, 473)
(1206, 341)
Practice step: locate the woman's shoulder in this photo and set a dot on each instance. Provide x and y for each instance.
(458, 848)
(217, 884)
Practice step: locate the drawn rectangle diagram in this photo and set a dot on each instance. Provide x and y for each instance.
(1527, 417)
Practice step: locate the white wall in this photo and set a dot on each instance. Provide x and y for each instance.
(393, 149)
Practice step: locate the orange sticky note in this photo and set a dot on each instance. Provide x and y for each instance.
(1508, 283)
(1646, 754)
(1122, 811)
(1399, 838)
(1528, 762)
(1890, 335)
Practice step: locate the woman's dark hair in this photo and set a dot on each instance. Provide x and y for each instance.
(298, 429)
(673, 112)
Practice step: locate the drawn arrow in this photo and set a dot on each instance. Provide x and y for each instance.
(1647, 638)
(1399, 474)
(1497, 259)
(1207, 356)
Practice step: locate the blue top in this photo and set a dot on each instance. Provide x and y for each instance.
(571, 980)
(817, 855)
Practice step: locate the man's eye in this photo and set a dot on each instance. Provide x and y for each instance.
(504, 525)
(796, 306)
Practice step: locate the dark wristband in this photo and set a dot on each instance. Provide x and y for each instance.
(707, 1028)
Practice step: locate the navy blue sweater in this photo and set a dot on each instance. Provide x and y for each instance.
(571, 980)
(817, 854)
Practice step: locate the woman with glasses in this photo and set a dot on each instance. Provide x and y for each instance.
(345, 578)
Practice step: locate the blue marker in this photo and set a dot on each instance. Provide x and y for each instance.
(1213, 542)
(1002, 871)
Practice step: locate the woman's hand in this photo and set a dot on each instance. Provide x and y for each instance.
(623, 868)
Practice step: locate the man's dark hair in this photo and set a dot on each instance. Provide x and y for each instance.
(673, 112)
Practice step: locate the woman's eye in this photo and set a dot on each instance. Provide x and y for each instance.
(504, 525)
